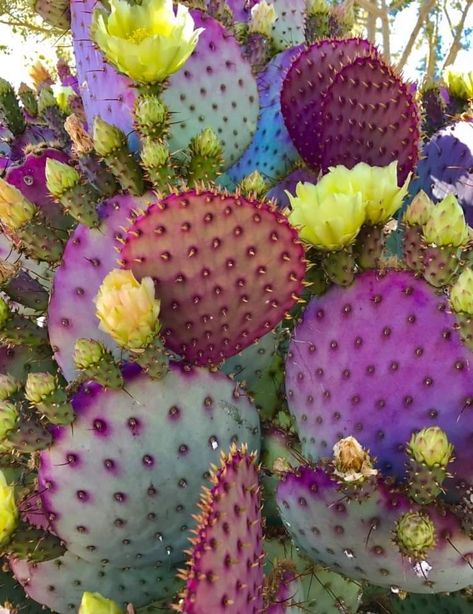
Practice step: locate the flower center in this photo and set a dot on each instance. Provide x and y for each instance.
(139, 35)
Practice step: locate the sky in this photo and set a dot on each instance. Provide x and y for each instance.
(14, 66)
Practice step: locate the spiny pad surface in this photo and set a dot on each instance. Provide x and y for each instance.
(89, 255)
(446, 166)
(60, 583)
(226, 270)
(226, 566)
(122, 485)
(271, 152)
(356, 537)
(343, 105)
(289, 27)
(379, 360)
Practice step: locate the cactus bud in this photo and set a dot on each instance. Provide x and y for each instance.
(263, 16)
(107, 137)
(329, 221)
(8, 386)
(253, 184)
(127, 309)
(419, 211)
(88, 352)
(39, 386)
(83, 143)
(151, 117)
(29, 100)
(431, 447)
(461, 293)
(15, 209)
(154, 155)
(351, 462)
(415, 534)
(4, 312)
(206, 144)
(8, 418)
(46, 99)
(446, 224)
(10, 110)
(8, 510)
(317, 7)
(60, 177)
(94, 603)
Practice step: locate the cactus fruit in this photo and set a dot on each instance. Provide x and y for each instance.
(228, 542)
(225, 241)
(332, 76)
(140, 510)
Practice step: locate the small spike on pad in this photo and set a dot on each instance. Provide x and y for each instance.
(226, 270)
(226, 566)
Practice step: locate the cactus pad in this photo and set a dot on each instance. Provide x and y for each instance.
(289, 27)
(446, 166)
(88, 257)
(226, 270)
(59, 584)
(55, 12)
(379, 360)
(343, 105)
(289, 183)
(271, 152)
(132, 502)
(226, 565)
(355, 537)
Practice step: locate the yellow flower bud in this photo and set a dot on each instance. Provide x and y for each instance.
(8, 510)
(263, 16)
(15, 209)
(146, 41)
(328, 221)
(419, 211)
(461, 294)
(94, 603)
(127, 309)
(60, 177)
(446, 224)
(460, 84)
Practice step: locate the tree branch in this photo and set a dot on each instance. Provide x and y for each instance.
(424, 10)
(385, 31)
(456, 43)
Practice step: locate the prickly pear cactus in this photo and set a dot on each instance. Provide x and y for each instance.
(204, 334)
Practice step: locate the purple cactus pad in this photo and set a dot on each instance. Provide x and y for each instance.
(379, 360)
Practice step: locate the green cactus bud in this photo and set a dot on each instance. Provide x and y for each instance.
(415, 534)
(263, 16)
(151, 117)
(46, 99)
(431, 447)
(206, 144)
(60, 177)
(8, 419)
(8, 386)
(28, 98)
(15, 209)
(10, 109)
(94, 603)
(419, 211)
(446, 224)
(39, 386)
(317, 7)
(4, 312)
(107, 137)
(253, 185)
(154, 155)
(461, 293)
(88, 353)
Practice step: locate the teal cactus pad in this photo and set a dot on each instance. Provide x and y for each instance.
(60, 583)
(123, 484)
(289, 27)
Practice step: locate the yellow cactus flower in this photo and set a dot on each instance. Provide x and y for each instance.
(94, 603)
(8, 510)
(62, 93)
(328, 221)
(40, 75)
(146, 41)
(461, 294)
(378, 186)
(263, 16)
(127, 309)
(446, 224)
(459, 83)
(15, 209)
